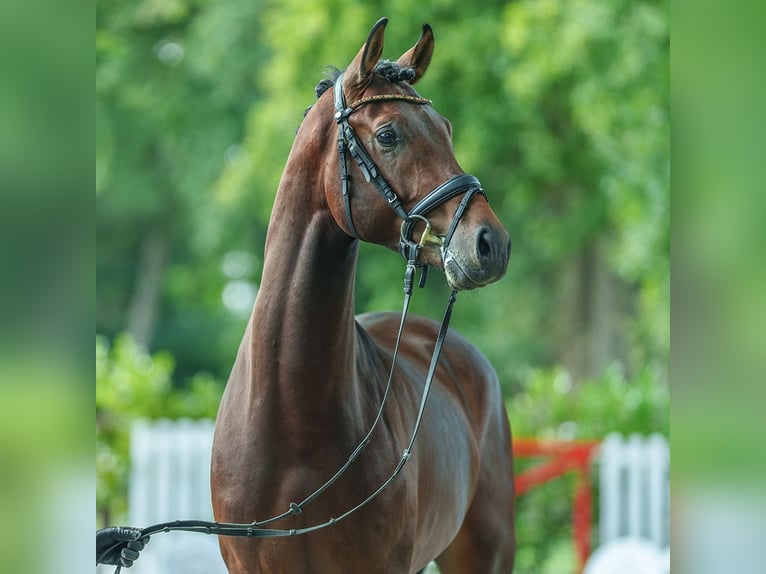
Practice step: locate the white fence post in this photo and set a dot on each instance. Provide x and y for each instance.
(634, 498)
(659, 491)
(635, 488)
(611, 455)
(170, 479)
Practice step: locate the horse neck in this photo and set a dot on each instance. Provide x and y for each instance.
(303, 329)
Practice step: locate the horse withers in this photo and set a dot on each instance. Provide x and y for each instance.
(372, 161)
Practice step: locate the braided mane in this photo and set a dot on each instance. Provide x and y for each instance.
(391, 71)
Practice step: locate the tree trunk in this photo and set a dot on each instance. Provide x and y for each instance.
(142, 311)
(596, 307)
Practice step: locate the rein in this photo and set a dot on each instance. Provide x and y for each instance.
(468, 186)
(256, 528)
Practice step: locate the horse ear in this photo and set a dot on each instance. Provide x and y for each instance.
(359, 72)
(419, 56)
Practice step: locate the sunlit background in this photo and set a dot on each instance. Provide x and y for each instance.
(560, 108)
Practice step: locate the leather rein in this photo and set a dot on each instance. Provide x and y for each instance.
(468, 186)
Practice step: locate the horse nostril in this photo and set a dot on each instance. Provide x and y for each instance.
(483, 244)
(484, 248)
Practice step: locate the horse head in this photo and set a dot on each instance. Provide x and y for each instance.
(402, 186)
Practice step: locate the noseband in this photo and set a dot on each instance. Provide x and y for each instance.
(466, 185)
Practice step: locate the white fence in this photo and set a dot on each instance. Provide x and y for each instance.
(634, 514)
(170, 479)
(635, 489)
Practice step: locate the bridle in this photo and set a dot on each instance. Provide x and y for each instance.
(466, 185)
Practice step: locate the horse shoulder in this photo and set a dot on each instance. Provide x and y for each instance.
(463, 371)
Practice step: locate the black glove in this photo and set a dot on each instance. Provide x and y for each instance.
(119, 545)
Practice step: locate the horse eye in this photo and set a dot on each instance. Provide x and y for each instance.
(386, 138)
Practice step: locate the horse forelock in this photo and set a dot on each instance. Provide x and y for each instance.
(391, 71)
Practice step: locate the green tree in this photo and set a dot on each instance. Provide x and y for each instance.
(174, 82)
(131, 384)
(560, 109)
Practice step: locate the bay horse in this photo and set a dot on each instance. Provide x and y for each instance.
(309, 377)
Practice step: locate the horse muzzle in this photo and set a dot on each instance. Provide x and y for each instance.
(478, 258)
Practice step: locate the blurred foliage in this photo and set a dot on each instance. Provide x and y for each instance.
(560, 108)
(551, 406)
(130, 384)
(174, 84)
